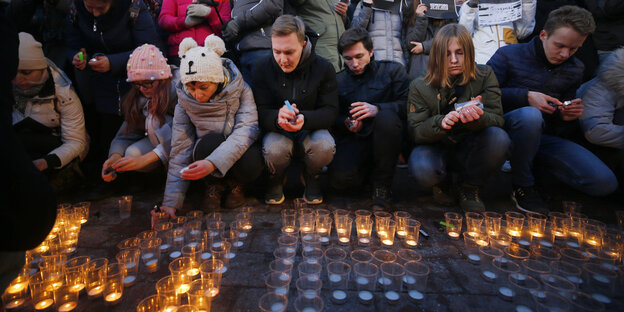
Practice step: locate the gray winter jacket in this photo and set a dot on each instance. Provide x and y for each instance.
(61, 111)
(603, 118)
(255, 18)
(423, 30)
(384, 28)
(231, 112)
(159, 135)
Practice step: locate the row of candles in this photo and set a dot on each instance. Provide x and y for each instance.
(561, 262)
(367, 269)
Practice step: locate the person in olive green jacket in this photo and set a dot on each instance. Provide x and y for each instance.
(468, 140)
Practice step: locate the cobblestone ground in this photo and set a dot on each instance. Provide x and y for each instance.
(453, 285)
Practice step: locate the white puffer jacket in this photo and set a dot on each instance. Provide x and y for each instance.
(384, 28)
(62, 110)
(488, 39)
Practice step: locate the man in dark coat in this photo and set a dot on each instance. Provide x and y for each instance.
(295, 75)
(369, 129)
(538, 81)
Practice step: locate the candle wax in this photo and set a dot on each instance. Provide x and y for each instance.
(238, 244)
(281, 291)
(453, 234)
(488, 275)
(230, 255)
(321, 230)
(112, 297)
(335, 278)
(384, 281)
(183, 288)
(289, 229)
(506, 292)
(43, 304)
(277, 307)
(600, 278)
(522, 308)
(284, 277)
(558, 233)
(206, 255)
(387, 242)
(147, 256)
(212, 292)
(365, 295)
(537, 234)
(573, 244)
(411, 242)
(474, 258)
(95, 291)
(364, 240)
(401, 233)
(415, 294)
(602, 298)
(130, 265)
(363, 231)
(575, 279)
(192, 272)
(409, 279)
(392, 295)
(343, 239)
(65, 307)
(309, 294)
(515, 233)
(175, 254)
(308, 310)
(361, 280)
(14, 304)
(339, 295)
(242, 235)
(77, 287)
(129, 280)
(164, 246)
(324, 239)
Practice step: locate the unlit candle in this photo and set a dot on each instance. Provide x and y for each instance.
(339, 295)
(277, 307)
(392, 295)
(335, 278)
(415, 294)
(365, 296)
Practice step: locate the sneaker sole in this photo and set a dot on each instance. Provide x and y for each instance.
(275, 202)
(513, 198)
(313, 202)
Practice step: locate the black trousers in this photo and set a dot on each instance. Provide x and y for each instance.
(245, 170)
(358, 157)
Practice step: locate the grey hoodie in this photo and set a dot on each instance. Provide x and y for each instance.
(231, 112)
(603, 118)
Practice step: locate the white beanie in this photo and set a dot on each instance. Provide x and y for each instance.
(201, 64)
(30, 53)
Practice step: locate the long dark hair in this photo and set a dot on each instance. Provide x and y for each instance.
(158, 105)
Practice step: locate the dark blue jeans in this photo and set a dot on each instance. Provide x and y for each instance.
(566, 160)
(247, 61)
(475, 158)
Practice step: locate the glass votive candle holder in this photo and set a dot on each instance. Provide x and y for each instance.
(412, 233)
(557, 284)
(592, 236)
(65, 299)
(179, 269)
(285, 253)
(306, 223)
(177, 241)
(197, 294)
(166, 287)
(193, 230)
(516, 253)
(16, 293)
(500, 240)
(550, 301)
(215, 229)
(361, 256)
(153, 303)
(303, 304)
(486, 255)
(492, 222)
(309, 268)
(581, 301)
(312, 255)
(574, 256)
(222, 252)
(163, 231)
(272, 302)
(76, 273)
(341, 215)
(568, 271)
(453, 224)
(401, 217)
(537, 224)
(362, 213)
(82, 209)
(472, 247)
(310, 240)
(545, 254)
(365, 280)
(338, 277)
(113, 288)
(334, 254)
(194, 252)
(323, 228)
(394, 273)
(125, 206)
(150, 252)
(130, 259)
(522, 286)
(245, 221)
(179, 221)
(600, 279)
(415, 280)
(308, 286)
(279, 265)
(52, 269)
(364, 228)
(235, 230)
(557, 226)
(132, 242)
(42, 298)
(381, 218)
(503, 267)
(278, 282)
(212, 270)
(535, 268)
(289, 220)
(288, 241)
(473, 223)
(159, 217)
(147, 235)
(96, 277)
(407, 255)
(515, 223)
(386, 234)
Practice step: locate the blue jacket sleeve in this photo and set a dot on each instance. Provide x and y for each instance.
(511, 97)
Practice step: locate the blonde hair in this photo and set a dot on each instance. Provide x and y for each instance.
(437, 70)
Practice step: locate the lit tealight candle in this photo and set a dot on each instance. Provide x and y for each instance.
(182, 289)
(289, 229)
(170, 309)
(392, 296)
(387, 242)
(343, 240)
(472, 234)
(537, 234)
(95, 291)
(15, 303)
(16, 288)
(364, 240)
(401, 233)
(481, 242)
(192, 272)
(382, 233)
(558, 233)
(411, 242)
(363, 231)
(77, 287)
(112, 297)
(592, 242)
(68, 306)
(306, 229)
(514, 233)
(453, 234)
(247, 227)
(212, 292)
(321, 230)
(43, 304)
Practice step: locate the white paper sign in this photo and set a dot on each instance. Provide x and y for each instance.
(499, 12)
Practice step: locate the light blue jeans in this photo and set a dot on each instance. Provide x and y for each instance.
(316, 148)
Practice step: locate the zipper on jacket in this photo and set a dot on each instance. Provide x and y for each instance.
(262, 30)
(103, 42)
(94, 25)
(118, 99)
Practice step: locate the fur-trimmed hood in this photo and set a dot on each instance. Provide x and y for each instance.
(611, 73)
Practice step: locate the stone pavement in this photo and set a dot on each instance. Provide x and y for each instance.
(453, 285)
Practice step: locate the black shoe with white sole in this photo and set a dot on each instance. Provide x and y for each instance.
(528, 199)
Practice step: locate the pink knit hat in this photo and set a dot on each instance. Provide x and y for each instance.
(147, 63)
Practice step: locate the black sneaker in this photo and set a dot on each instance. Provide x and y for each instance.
(469, 199)
(381, 198)
(275, 192)
(528, 199)
(313, 194)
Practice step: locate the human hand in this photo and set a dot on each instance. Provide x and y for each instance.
(418, 47)
(80, 64)
(231, 30)
(449, 120)
(572, 111)
(112, 175)
(293, 125)
(421, 9)
(287, 119)
(198, 10)
(541, 101)
(191, 21)
(198, 170)
(100, 63)
(471, 112)
(363, 110)
(341, 8)
(40, 164)
(353, 125)
(129, 163)
(170, 213)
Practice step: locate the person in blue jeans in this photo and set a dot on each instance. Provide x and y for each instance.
(468, 141)
(538, 81)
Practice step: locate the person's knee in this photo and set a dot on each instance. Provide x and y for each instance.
(422, 170)
(320, 148)
(526, 118)
(498, 142)
(133, 151)
(277, 150)
(388, 123)
(601, 183)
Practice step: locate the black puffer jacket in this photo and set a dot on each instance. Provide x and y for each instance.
(312, 86)
(609, 17)
(255, 18)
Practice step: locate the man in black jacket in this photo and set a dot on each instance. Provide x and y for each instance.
(372, 96)
(295, 75)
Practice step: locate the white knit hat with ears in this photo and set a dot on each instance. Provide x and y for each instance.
(201, 63)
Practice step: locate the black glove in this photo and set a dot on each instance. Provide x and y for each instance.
(231, 31)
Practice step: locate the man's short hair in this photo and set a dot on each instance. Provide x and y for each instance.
(572, 16)
(352, 36)
(288, 24)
